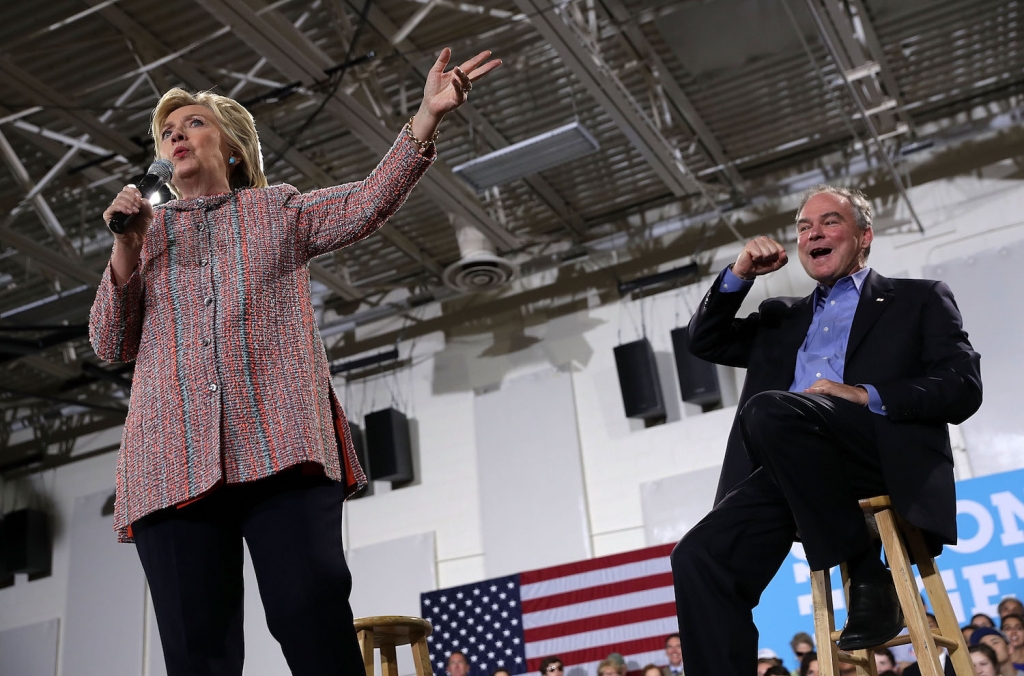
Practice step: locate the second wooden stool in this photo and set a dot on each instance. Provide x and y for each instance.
(384, 632)
(897, 535)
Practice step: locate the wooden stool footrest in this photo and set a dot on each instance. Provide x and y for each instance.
(900, 541)
(850, 658)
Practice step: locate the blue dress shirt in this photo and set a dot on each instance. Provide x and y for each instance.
(823, 353)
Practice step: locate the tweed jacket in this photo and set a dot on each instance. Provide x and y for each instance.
(231, 379)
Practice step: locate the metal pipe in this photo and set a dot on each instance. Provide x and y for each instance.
(827, 41)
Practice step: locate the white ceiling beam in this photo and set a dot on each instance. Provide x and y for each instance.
(46, 215)
(380, 21)
(611, 96)
(333, 281)
(618, 12)
(877, 53)
(292, 53)
(39, 93)
(45, 256)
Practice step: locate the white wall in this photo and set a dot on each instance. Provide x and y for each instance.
(617, 456)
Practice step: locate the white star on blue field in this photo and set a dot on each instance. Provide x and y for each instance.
(483, 620)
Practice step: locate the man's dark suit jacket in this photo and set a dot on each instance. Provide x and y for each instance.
(907, 340)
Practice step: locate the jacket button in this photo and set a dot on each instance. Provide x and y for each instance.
(208, 300)
(206, 342)
(212, 387)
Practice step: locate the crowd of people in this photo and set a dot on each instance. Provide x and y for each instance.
(995, 651)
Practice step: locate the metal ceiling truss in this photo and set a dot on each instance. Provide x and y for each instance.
(577, 47)
(291, 52)
(556, 202)
(54, 391)
(639, 44)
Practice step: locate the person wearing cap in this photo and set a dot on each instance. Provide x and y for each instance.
(995, 639)
(766, 659)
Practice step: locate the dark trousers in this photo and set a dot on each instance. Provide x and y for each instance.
(817, 457)
(193, 562)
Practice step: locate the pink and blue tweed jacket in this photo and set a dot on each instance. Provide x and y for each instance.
(231, 378)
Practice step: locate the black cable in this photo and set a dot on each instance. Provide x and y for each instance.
(339, 77)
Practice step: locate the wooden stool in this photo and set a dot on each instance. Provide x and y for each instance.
(387, 631)
(896, 535)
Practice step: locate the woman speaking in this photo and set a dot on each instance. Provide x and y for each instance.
(234, 430)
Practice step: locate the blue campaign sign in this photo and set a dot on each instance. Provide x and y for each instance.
(986, 564)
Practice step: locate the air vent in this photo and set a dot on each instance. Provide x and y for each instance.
(483, 272)
(479, 269)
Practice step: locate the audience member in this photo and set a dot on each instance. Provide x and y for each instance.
(458, 665)
(984, 660)
(1012, 627)
(502, 672)
(1010, 606)
(884, 660)
(967, 630)
(983, 620)
(777, 670)
(651, 670)
(809, 664)
(847, 669)
(619, 662)
(551, 665)
(801, 644)
(674, 653)
(611, 667)
(766, 658)
(994, 639)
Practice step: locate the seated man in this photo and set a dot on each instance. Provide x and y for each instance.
(847, 395)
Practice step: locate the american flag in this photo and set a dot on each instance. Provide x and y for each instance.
(579, 611)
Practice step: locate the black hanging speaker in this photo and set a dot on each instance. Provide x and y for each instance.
(26, 543)
(638, 380)
(6, 576)
(359, 441)
(389, 446)
(698, 379)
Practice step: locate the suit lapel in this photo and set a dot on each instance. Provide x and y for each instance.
(875, 296)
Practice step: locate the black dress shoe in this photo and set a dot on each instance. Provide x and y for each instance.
(874, 616)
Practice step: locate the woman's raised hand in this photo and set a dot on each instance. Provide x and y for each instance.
(131, 203)
(446, 91)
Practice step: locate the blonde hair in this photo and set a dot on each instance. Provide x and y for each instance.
(234, 121)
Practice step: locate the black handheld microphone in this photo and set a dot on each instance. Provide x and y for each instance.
(156, 176)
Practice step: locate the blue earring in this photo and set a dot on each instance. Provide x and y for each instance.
(231, 160)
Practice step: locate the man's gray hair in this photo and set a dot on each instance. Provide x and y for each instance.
(862, 211)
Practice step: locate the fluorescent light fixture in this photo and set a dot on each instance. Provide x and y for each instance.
(533, 155)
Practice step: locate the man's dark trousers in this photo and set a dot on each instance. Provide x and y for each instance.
(817, 456)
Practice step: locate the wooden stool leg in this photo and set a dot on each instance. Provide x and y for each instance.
(864, 659)
(366, 646)
(906, 588)
(388, 660)
(933, 584)
(421, 656)
(824, 623)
